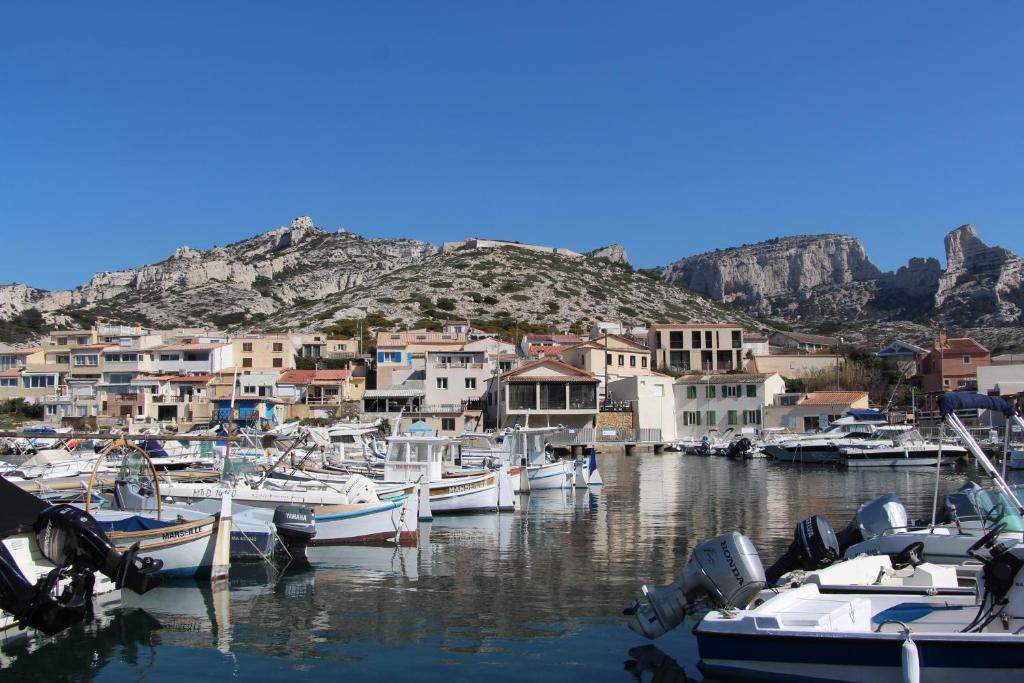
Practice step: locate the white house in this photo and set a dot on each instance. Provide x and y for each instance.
(653, 401)
(707, 402)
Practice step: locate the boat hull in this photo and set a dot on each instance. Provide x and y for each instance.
(186, 550)
(388, 522)
(464, 494)
(810, 456)
(555, 475)
(856, 658)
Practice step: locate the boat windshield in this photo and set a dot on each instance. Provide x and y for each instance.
(236, 469)
(995, 508)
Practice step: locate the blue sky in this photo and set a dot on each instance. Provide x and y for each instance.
(672, 128)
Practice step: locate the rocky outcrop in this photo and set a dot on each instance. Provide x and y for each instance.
(830, 278)
(616, 253)
(753, 275)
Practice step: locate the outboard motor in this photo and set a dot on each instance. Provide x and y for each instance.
(359, 489)
(725, 571)
(814, 547)
(872, 519)
(296, 527)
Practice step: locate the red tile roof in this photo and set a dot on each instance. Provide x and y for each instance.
(573, 374)
(833, 398)
(296, 377)
(960, 345)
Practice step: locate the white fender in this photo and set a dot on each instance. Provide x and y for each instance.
(911, 661)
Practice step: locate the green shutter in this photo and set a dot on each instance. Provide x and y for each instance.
(691, 392)
(712, 418)
(745, 416)
(709, 391)
(733, 418)
(751, 391)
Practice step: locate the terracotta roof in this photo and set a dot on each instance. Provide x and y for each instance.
(833, 398)
(554, 338)
(598, 342)
(296, 377)
(546, 351)
(723, 379)
(13, 372)
(572, 374)
(330, 375)
(960, 345)
(387, 339)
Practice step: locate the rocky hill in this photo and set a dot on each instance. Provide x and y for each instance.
(829, 278)
(303, 277)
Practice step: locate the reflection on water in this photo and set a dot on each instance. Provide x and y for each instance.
(536, 595)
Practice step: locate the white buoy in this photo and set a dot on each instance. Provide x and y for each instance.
(911, 661)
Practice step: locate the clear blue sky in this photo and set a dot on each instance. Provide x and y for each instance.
(673, 128)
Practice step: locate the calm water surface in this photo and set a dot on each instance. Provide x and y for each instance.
(531, 596)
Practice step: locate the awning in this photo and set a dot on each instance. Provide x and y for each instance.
(393, 393)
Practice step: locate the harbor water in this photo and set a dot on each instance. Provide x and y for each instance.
(532, 596)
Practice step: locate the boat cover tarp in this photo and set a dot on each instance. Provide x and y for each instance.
(154, 448)
(953, 401)
(47, 457)
(134, 523)
(866, 415)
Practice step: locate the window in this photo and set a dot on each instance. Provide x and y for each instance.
(119, 378)
(8, 381)
(675, 340)
(192, 356)
(38, 381)
(389, 356)
(63, 360)
(622, 360)
(695, 340)
(62, 341)
(247, 362)
(707, 340)
(82, 340)
(691, 417)
(278, 347)
(632, 361)
(751, 417)
(734, 418)
(447, 424)
(608, 358)
(709, 391)
(121, 357)
(659, 390)
(945, 381)
(730, 391)
(552, 396)
(87, 360)
(522, 397)
(679, 360)
(169, 356)
(751, 391)
(582, 396)
(278, 362)
(691, 392)
(967, 360)
(246, 347)
(643, 361)
(51, 410)
(712, 418)
(471, 382)
(737, 339)
(442, 382)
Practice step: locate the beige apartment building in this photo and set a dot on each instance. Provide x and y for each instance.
(610, 357)
(685, 347)
(400, 354)
(263, 352)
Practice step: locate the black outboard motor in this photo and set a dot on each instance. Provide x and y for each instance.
(872, 519)
(739, 447)
(814, 547)
(296, 527)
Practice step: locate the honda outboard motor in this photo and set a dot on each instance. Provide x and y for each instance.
(814, 547)
(725, 571)
(296, 527)
(872, 519)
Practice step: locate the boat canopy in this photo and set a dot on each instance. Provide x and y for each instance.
(952, 401)
(867, 415)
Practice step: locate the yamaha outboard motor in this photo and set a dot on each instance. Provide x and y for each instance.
(872, 519)
(814, 547)
(725, 571)
(296, 527)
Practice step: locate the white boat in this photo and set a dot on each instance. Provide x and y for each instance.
(825, 448)
(424, 458)
(523, 446)
(899, 446)
(186, 548)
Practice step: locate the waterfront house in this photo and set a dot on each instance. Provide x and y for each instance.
(951, 363)
(709, 347)
(814, 411)
(650, 401)
(543, 393)
(178, 399)
(319, 393)
(704, 403)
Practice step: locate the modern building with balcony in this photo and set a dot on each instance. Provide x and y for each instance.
(401, 354)
(710, 347)
(193, 358)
